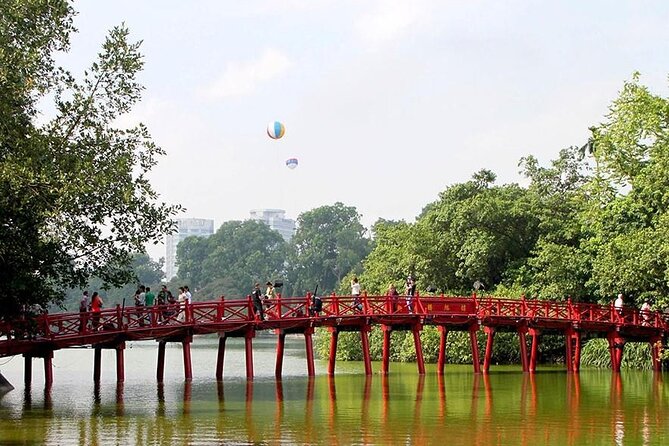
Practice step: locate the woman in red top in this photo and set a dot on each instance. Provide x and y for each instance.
(96, 307)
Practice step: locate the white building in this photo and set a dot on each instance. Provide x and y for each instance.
(275, 219)
(186, 227)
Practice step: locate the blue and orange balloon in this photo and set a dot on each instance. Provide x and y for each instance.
(275, 129)
(291, 163)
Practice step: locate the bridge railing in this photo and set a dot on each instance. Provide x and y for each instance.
(71, 325)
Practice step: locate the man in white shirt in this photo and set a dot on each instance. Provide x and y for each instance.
(618, 305)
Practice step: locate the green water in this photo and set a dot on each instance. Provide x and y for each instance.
(504, 407)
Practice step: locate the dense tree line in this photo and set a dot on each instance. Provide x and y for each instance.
(329, 243)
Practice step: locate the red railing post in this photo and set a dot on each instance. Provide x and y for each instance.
(220, 309)
(335, 304)
(365, 304)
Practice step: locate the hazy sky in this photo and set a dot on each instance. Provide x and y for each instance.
(385, 103)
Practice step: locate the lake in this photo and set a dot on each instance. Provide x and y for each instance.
(505, 407)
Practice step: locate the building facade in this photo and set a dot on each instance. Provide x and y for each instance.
(186, 227)
(275, 219)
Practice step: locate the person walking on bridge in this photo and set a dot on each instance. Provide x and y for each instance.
(96, 308)
(355, 292)
(256, 295)
(84, 307)
(409, 292)
(618, 305)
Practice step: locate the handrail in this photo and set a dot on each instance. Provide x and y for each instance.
(217, 314)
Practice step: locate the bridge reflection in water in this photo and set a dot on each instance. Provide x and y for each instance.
(235, 318)
(503, 407)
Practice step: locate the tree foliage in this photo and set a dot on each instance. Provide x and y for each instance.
(329, 243)
(230, 261)
(75, 200)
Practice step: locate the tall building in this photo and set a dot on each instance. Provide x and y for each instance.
(275, 219)
(186, 227)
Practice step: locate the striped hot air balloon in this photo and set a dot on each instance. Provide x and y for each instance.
(275, 129)
(291, 163)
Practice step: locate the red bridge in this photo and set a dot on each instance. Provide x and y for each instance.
(40, 336)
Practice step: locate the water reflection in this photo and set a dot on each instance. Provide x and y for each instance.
(509, 407)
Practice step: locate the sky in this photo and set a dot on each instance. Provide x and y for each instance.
(385, 103)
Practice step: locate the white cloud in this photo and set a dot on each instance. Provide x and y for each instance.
(243, 78)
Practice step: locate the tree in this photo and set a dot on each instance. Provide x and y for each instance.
(230, 261)
(145, 271)
(561, 263)
(75, 200)
(329, 243)
(630, 207)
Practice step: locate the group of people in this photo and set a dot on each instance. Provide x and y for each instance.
(143, 299)
(169, 305)
(409, 293)
(645, 311)
(260, 300)
(93, 305)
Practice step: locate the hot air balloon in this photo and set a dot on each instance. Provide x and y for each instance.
(291, 163)
(275, 129)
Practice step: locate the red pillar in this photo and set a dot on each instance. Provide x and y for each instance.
(441, 360)
(487, 358)
(385, 360)
(419, 348)
(616, 345)
(535, 349)
(332, 360)
(576, 341)
(97, 360)
(569, 351)
(248, 345)
(27, 370)
(523, 348)
(655, 348)
(365, 350)
(48, 369)
(160, 369)
(188, 367)
(220, 358)
(280, 345)
(309, 345)
(475, 348)
(120, 367)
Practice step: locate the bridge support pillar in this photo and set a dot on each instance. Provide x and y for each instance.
(160, 369)
(473, 329)
(220, 357)
(188, 365)
(367, 359)
(27, 370)
(309, 346)
(248, 347)
(416, 329)
(280, 346)
(616, 346)
(655, 349)
(48, 369)
(120, 366)
(385, 360)
(490, 338)
(333, 350)
(441, 359)
(573, 350)
(97, 363)
(523, 348)
(534, 353)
